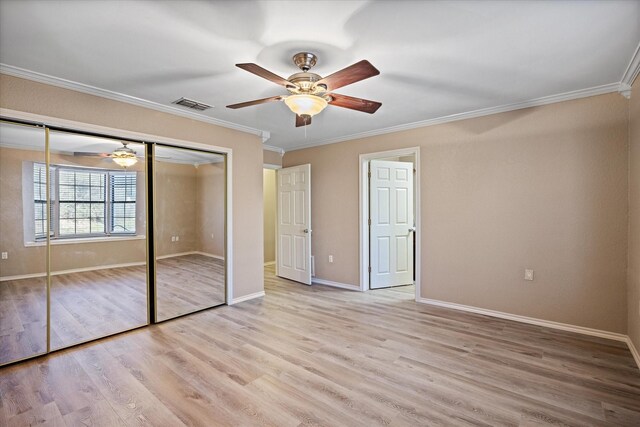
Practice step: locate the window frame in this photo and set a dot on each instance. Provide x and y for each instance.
(54, 211)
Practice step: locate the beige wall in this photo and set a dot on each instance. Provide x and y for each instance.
(271, 158)
(269, 194)
(633, 272)
(542, 188)
(27, 96)
(210, 208)
(175, 202)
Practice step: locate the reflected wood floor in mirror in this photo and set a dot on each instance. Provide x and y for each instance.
(314, 355)
(188, 283)
(96, 303)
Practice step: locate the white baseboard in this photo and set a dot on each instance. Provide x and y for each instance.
(73, 270)
(190, 253)
(221, 258)
(634, 351)
(22, 277)
(176, 255)
(335, 284)
(269, 263)
(530, 320)
(247, 297)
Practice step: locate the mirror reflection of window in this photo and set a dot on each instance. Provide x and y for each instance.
(97, 235)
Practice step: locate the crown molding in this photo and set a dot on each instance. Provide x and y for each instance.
(273, 148)
(115, 96)
(566, 96)
(633, 69)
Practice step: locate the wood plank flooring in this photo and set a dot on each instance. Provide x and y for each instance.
(96, 303)
(324, 356)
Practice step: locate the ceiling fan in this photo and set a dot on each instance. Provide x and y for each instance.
(122, 156)
(311, 93)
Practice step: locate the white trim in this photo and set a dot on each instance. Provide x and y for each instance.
(115, 96)
(246, 298)
(364, 210)
(567, 96)
(177, 254)
(633, 68)
(266, 264)
(73, 270)
(54, 121)
(271, 166)
(335, 284)
(22, 276)
(221, 258)
(56, 242)
(273, 148)
(634, 351)
(530, 320)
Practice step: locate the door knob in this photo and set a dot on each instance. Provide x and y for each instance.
(306, 230)
(412, 229)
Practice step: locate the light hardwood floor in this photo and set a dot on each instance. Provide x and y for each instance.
(96, 303)
(324, 356)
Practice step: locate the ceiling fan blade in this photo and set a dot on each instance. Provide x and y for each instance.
(86, 154)
(352, 103)
(255, 102)
(265, 74)
(302, 121)
(353, 73)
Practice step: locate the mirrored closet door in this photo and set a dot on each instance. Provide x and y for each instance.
(98, 253)
(189, 230)
(23, 242)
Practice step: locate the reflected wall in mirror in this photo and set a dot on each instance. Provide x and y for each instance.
(23, 264)
(189, 230)
(98, 237)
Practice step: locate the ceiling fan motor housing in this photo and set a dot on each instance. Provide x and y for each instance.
(305, 60)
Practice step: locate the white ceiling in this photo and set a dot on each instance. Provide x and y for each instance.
(436, 58)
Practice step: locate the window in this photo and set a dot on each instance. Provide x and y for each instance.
(85, 202)
(123, 202)
(40, 200)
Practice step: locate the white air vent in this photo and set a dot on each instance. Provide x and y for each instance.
(190, 103)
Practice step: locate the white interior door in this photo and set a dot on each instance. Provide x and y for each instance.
(392, 226)
(294, 224)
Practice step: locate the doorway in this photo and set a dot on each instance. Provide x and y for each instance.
(411, 155)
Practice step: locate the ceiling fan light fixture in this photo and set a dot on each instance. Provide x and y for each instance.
(124, 157)
(306, 105)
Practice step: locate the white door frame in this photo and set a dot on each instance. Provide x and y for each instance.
(364, 212)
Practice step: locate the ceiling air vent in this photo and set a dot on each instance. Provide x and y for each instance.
(190, 103)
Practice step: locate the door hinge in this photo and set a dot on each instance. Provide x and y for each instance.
(369, 269)
(369, 221)
(414, 171)
(369, 174)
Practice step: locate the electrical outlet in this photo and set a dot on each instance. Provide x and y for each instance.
(173, 238)
(5, 255)
(177, 238)
(330, 258)
(528, 274)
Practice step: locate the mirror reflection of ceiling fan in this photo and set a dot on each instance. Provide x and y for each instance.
(311, 93)
(122, 156)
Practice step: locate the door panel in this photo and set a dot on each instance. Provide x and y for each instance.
(24, 218)
(294, 224)
(189, 230)
(391, 213)
(98, 252)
